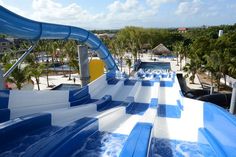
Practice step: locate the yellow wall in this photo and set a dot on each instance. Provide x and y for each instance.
(96, 69)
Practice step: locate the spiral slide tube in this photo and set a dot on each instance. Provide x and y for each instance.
(20, 27)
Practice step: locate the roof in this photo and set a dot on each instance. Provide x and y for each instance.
(161, 49)
(4, 40)
(182, 29)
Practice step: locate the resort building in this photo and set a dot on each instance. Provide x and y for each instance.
(161, 50)
(182, 30)
(4, 45)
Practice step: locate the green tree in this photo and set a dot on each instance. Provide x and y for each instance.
(71, 51)
(19, 75)
(129, 63)
(36, 70)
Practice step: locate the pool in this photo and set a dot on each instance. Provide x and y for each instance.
(67, 87)
(59, 67)
(154, 66)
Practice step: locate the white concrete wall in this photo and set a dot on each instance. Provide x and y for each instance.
(97, 85)
(135, 89)
(122, 94)
(143, 95)
(63, 117)
(117, 121)
(27, 102)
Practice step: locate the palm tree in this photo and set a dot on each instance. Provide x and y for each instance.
(71, 51)
(129, 63)
(43, 45)
(232, 66)
(177, 49)
(51, 47)
(36, 70)
(213, 65)
(19, 76)
(60, 52)
(191, 68)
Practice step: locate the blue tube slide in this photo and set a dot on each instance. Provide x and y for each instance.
(20, 27)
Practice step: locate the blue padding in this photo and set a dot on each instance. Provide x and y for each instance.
(221, 127)
(170, 111)
(103, 102)
(148, 75)
(136, 108)
(76, 141)
(164, 75)
(17, 127)
(78, 93)
(110, 105)
(140, 75)
(84, 100)
(156, 75)
(110, 75)
(147, 83)
(4, 115)
(137, 142)
(166, 84)
(153, 103)
(129, 82)
(79, 96)
(112, 81)
(65, 140)
(212, 141)
(157, 79)
(4, 98)
(180, 105)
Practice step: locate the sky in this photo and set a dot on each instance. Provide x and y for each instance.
(116, 14)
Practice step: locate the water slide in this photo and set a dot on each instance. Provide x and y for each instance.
(135, 118)
(111, 126)
(20, 27)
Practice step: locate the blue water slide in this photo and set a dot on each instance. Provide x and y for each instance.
(20, 27)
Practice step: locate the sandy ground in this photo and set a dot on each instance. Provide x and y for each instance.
(57, 80)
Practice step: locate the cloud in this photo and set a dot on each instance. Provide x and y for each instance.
(52, 11)
(188, 8)
(118, 14)
(128, 10)
(127, 6)
(156, 3)
(13, 9)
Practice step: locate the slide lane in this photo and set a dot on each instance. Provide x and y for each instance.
(59, 120)
(113, 129)
(145, 93)
(124, 128)
(180, 136)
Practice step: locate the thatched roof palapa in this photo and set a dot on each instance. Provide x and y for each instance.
(161, 50)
